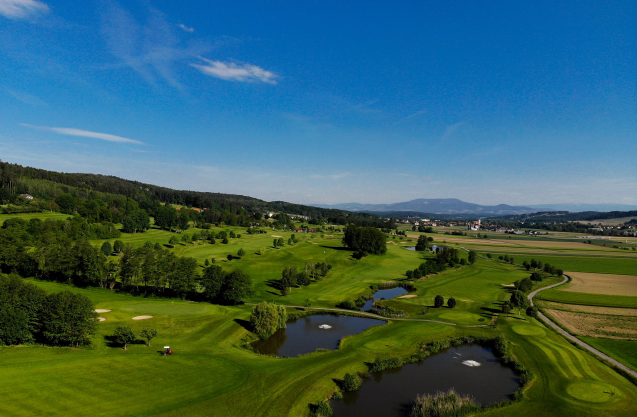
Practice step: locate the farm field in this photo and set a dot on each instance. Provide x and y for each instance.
(622, 350)
(570, 297)
(610, 284)
(596, 325)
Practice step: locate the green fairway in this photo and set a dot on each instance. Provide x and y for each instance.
(29, 216)
(210, 374)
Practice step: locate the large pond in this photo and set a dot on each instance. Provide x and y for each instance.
(314, 332)
(386, 294)
(390, 393)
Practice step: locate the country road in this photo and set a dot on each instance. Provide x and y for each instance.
(573, 338)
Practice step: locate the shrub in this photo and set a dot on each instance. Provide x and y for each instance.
(441, 404)
(451, 302)
(351, 382)
(439, 301)
(347, 305)
(323, 409)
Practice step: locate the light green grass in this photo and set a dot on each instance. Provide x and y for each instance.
(29, 216)
(210, 375)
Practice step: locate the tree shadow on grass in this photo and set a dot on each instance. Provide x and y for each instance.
(244, 323)
(334, 247)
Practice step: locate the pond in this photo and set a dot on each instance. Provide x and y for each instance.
(391, 392)
(310, 333)
(432, 248)
(386, 294)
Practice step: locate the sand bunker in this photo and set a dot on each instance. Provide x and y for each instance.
(471, 363)
(142, 317)
(508, 285)
(325, 326)
(102, 319)
(102, 310)
(468, 301)
(408, 296)
(275, 236)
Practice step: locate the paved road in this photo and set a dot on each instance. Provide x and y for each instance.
(576, 340)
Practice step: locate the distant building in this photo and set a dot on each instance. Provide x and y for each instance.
(27, 196)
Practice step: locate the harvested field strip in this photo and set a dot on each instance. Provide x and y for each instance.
(570, 297)
(596, 325)
(614, 311)
(611, 284)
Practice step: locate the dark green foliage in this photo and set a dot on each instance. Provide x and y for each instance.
(68, 319)
(323, 409)
(532, 312)
(106, 249)
(506, 308)
(136, 222)
(524, 284)
(519, 300)
(473, 257)
(422, 243)
(237, 286)
(380, 364)
(365, 240)
(351, 382)
(241, 253)
(347, 305)
(439, 301)
(536, 276)
(451, 302)
(124, 335)
(14, 327)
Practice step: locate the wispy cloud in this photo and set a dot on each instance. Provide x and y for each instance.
(186, 28)
(150, 48)
(84, 133)
(236, 72)
(26, 97)
(22, 9)
(330, 177)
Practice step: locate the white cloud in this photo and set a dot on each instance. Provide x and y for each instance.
(84, 133)
(186, 28)
(21, 9)
(234, 72)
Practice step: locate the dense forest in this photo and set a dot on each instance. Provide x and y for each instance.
(107, 198)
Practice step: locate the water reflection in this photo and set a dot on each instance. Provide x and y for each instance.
(305, 335)
(390, 393)
(386, 294)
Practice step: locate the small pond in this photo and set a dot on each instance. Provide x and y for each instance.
(432, 248)
(390, 393)
(386, 294)
(310, 333)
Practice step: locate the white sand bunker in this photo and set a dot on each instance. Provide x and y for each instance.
(142, 317)
(508, 285)
(408, 296)
(471, 363)
(102, 319)
(102, 310)
(325, 326)
(276, 236)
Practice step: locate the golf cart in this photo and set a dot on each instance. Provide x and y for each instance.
(167, 351)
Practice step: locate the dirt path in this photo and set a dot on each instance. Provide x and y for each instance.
(575, 339)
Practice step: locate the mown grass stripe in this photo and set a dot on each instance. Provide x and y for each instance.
(550, 354)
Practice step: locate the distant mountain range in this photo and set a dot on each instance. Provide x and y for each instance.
(576, 208)
(436, 206)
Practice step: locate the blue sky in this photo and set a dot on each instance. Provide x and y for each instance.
(525, 102)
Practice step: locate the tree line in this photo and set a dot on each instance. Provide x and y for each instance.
(29, 315)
